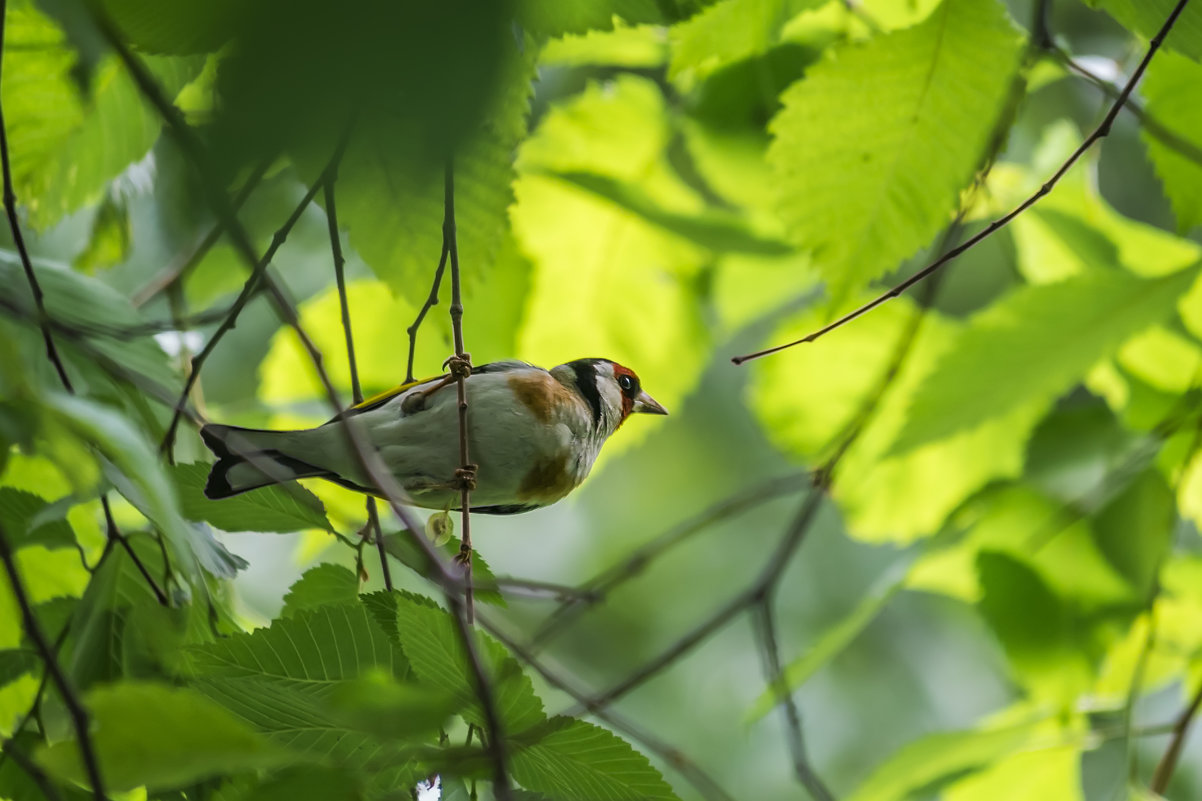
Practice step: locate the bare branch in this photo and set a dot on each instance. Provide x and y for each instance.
(1098, 133)
(431, 301)
(1168, 762)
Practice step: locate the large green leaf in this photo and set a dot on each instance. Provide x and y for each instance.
(278, 508)
(730, 31)
(1146, 17)
(432, 642)
(873, 146)
(606, 282)
(1173, 91)
(161, 737)
(1039, 341)
(573, 760)
(557, 17)
(1043, 635)
(808, 399)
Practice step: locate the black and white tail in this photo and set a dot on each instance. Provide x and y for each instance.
(249, 458)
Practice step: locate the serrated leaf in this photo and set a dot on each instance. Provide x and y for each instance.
(1174, 98)
(557, 17)
(319, 645)
(24, 522)
(278, 508)
(624, 46)
(432, 643)
(1146, 17)
(402, 547)
(577, 761)
(1042, 339)
(378, 704)
(319, 586)
(730, 31)
(807, 400)
(873, 146)
(161, 737)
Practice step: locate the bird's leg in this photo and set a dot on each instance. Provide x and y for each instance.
(416, 401)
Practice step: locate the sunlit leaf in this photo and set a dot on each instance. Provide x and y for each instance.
(160, 736)
(1146, 17)
(1042, 339)
(1172, 90)
(1052, 773)
(110, 241)
(808, 398)
(873, 146)
(730, 31)
(626, 46)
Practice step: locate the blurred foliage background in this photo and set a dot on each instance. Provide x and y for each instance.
(999, 594)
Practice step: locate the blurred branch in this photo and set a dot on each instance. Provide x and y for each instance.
(184, 263)
(258, 277)
(1102, 130)
(431, 301)
(35, 773)
(704, 784)
(79, 716)
(115, 535)
(1156, 129)
(598, 588)
(331, 180)
(1168, 762)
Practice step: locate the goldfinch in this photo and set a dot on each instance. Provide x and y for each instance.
(533, 433)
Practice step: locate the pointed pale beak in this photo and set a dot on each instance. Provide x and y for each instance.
(646, 404)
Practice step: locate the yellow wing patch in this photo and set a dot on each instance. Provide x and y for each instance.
(383, 397)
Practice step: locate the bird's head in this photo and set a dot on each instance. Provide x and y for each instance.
(612, 392)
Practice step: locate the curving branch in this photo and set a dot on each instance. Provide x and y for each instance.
(1102, 130)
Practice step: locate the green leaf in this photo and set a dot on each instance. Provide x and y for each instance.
(1042, 635)
(431, 640)
(1042, 339)
(873, 146)
(624, 46)
(16, 662)
(138, 475)
(377, 704)
(1135, 530)
(1171, 90)
(111, 237)
(1146, 17)
(577, 761)
(623, 271)
(278, 508)
(161, 737)
(935, 758)
(319, 586)
(28, 520)
(557, 17)
(809, 400)
(730, 31)
(716, 230)
(1051, 773)
(179, 28)
(319, 645)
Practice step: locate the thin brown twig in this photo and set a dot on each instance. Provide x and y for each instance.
(1098, 133)
(373, 514)
(1168, 762)
(79, 715)
(115, 535)
(461, 368)
(430, 302)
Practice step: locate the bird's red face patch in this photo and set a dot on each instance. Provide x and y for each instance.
(628, 383)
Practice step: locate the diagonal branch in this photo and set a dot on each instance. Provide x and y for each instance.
(431, 301)
(79, 715)
(1168, 762)
(1102, 130)
(331, 179)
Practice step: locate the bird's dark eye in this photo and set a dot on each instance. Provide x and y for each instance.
(626, 383)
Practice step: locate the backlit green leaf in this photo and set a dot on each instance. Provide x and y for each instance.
(873, 146)
(1173, 91)
(1146, 17)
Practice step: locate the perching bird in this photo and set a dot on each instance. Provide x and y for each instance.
(533, 433)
